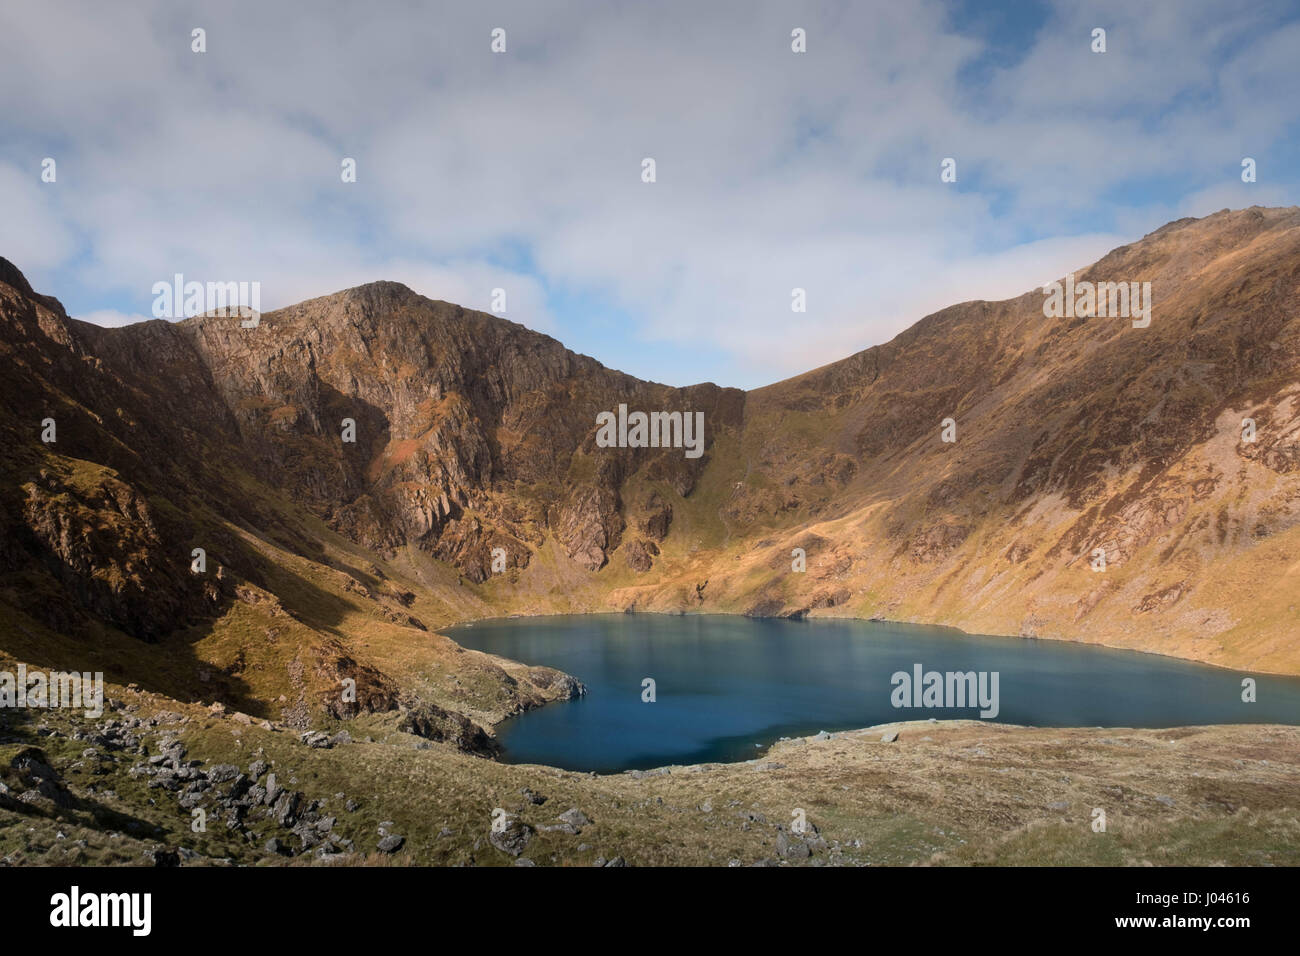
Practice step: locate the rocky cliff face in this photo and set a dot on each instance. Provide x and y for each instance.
(465, 432)
(473, 483)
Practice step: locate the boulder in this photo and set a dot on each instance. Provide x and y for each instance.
(574, 817)
(391, 843)
(513, 838)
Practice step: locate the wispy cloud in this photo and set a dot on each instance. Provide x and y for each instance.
(522, 170)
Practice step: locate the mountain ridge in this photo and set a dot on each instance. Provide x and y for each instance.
(475, 446)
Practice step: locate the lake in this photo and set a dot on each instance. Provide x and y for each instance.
(724, 684)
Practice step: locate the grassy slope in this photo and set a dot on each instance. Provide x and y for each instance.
(951, 793)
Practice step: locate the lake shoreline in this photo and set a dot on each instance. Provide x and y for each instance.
(1099, 687)
(470, 622)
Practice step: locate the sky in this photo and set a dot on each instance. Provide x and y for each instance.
(523, 170)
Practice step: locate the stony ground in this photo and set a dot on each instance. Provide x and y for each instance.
(125, 789)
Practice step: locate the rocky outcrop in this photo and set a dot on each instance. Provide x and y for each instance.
(658, 517)
(353, 688)
(433, 723)
(590, 525)
(640, 555)
(108, 551)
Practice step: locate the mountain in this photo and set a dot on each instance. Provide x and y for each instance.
(1072, 435)
(476, 439)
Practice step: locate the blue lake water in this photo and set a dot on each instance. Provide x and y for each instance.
(724, 684)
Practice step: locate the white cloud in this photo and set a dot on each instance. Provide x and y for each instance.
(521, 170)
(33, 229)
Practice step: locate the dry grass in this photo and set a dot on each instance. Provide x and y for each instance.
(949, 793)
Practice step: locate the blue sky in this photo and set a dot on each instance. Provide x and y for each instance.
(521, 170)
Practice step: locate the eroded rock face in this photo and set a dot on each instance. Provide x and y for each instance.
(369, 691)
(561, 685)
(102, 542)
(589, 524)
(452, 409)
(471, 546)
(659, 516)
(433, 723)
(640, 555)
(936, 542)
